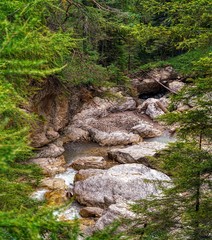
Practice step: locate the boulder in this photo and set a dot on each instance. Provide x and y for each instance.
(164, 74)
(53, 150)
(153, 107)
(164, 102)
(84, 174)
(136, 153)
(115, 212)
(119, 121)
(181, 107)
(123, 104)
(50, 166)
(42, 134)
(100, 108)
(146, 130)
(88, 212)
(56, 197)
(75, 134)
(113, 138)
(121, 183)
(53, 183)
(95, 109)
(89, 162)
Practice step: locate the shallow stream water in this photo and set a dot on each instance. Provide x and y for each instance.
(166, 137)
(76, 150)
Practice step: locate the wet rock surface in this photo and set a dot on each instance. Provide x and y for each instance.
(91, 212)
(119, 183)
(136, 153)
(89, 162)
(56, 198)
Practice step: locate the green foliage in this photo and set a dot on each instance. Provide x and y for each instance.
(171, 27)
(183, 212)
(16, 186)
(188, 64)
(90, 73)
(29, 51)
(24, 218)
(180, 214)
(98, 42)
(34, 226)
(13, 127)
(28, 48)
(109, 233)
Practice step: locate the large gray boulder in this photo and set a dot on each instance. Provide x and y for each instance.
(127, 182)
(113, 138)
(118, 121)
(146, 130)
(95, 113)
(101, 107)
(136, 153)
(95, 109)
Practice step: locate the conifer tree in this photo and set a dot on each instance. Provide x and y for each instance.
(184, 211)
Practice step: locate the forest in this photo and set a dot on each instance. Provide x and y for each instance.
(87, 45)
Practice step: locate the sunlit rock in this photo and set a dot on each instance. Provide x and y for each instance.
(126, 182)
(115, 212)
(53, 183)
(146, 130)
(113, 138)
(136, 153)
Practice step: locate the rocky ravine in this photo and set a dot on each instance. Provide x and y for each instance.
(103, 189)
